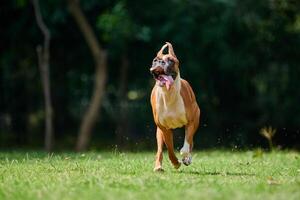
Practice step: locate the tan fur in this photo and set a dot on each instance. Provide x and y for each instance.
(171, 107)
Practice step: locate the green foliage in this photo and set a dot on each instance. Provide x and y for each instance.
(111, 175)
(20, 3)
(240, 57)
(116, 24)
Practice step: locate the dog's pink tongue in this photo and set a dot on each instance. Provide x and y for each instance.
(169, 81)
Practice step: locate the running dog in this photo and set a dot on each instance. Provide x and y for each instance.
(173, 105)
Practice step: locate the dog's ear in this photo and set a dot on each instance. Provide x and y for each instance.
(160, 53)
(170, 49)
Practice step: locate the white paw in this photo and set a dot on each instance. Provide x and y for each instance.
(185, 149)
(186, 158)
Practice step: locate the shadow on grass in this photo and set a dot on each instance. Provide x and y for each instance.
(216, 173)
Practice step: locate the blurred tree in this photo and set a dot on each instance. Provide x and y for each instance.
(100, 59)
(43, 56)
(119, 30)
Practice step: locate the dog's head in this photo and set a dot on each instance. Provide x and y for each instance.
(165, 67)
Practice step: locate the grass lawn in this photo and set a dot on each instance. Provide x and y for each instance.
(110, 175)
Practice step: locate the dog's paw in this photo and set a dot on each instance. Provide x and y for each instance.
(187, 159)
(158, 169)
(177, 165)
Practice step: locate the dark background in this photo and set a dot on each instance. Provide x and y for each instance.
(241, 58)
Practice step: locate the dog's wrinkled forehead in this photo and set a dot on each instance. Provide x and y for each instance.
(164, 62)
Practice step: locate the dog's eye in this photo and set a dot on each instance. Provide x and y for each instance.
(171, 62)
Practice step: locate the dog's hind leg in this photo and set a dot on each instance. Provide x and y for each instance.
(159, 154)
(168, 139)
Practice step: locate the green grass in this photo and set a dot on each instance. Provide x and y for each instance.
(105, 175)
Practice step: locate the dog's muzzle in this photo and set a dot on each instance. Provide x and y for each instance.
(163, 72)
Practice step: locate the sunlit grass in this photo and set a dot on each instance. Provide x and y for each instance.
(104, 175)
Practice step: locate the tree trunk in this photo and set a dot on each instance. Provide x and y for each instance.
(43, 56)
(100, 59)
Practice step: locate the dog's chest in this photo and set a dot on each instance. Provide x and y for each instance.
(171, 111)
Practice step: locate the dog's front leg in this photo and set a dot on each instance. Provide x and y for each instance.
(159, 154)
(168, 139)
(186, 150)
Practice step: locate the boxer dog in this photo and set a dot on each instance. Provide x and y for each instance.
(173, 105)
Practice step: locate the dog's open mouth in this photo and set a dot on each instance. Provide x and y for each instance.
(163, 79)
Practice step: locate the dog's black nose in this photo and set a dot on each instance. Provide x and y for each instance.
(154, 73)
(152, 68)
